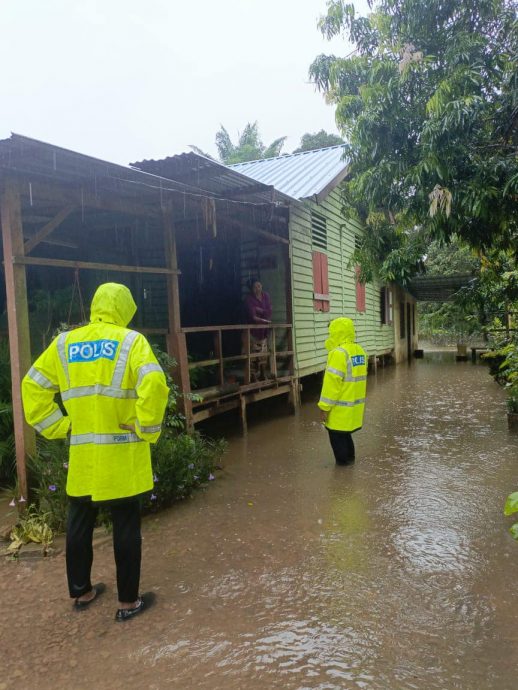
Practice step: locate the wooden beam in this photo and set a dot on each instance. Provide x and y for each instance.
(243, 227)
(200, 415)
(176, 341)
(18, 322)
(48, 228)
(234, 224)
(63, 263)
(61, 243)
(235, 327)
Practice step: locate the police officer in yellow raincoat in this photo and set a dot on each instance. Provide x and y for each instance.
(342, 400)
(114, 394)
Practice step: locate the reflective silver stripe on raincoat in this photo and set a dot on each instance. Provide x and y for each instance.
(122, 361)
(40, 379)
(98, 389)
(100, 439)
(49, 421)
(339, 373)
(63, 355)
(149, 429)
(343, 403)
(147, 369)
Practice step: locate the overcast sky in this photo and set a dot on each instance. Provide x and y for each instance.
(125, 80)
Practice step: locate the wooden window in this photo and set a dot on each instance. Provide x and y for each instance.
(360, 292)
(413, 319)
(318, 230)
(320, 282)
(386, 306)
(402, 329)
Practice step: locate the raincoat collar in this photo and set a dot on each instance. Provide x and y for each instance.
(341, 331)
(112, 303)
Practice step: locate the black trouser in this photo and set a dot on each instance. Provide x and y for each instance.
(343, 446)
(126, 546)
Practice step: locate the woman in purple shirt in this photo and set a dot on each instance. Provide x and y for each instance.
(259, 310)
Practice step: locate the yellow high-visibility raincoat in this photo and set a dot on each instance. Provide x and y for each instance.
(345, 378)
(107, 375)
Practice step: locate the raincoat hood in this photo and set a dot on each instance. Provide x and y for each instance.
(341, 330)
(112, 303)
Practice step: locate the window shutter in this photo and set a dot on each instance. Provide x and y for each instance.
(318, 230)
(320, 282)
(360, 292)
(325, 282)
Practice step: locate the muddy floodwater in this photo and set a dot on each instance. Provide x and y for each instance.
(287, 572)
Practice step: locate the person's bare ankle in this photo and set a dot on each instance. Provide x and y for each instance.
(126, 605)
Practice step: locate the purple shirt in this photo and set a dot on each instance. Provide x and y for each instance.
(257, 309)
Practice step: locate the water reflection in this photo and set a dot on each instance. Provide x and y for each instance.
(395, 573)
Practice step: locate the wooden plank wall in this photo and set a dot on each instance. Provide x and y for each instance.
(311, 326)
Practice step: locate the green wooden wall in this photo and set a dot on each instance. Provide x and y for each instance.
(310, 325)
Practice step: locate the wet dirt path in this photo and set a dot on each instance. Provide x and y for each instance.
(395, 574)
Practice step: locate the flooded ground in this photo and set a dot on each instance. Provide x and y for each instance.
(288, 572)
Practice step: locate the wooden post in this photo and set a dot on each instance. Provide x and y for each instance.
(18, 322)
(176, 343)
(244, 425)
(248, 367)
(218, 353)
(273, 354)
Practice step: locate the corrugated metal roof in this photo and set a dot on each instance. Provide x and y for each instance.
(300, 175)
(208, 175)
(427, 288)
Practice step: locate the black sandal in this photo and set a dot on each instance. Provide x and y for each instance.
(145, 601)
(99, 589)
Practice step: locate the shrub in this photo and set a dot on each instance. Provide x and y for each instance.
(181, 464)
(48, 478)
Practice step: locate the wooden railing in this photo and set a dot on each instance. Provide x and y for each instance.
(218, 359)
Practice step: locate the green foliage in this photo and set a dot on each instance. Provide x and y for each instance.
(181, 464)
(47, 479)
(173, 419)
(318, 140)
(388, 254)
(33, 526)
(512, 400)
(249, 146)
(451, 322)
(510, 508)
(428, 102)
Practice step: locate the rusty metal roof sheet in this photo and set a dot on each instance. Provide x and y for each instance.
(210, 176)
(305, 175)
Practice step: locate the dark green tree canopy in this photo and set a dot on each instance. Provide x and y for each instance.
(318, 140)
(428, 102)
